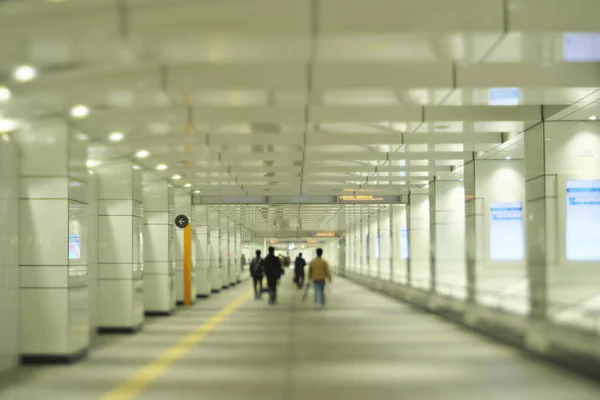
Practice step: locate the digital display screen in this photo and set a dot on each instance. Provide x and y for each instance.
(74, 247)
(504, 96)
(507, 233)
(404, 243)
(583, 221)
(581, 46)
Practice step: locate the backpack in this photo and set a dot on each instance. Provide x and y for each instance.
(256, 267)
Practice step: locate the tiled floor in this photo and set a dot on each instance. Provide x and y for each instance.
(364, 346)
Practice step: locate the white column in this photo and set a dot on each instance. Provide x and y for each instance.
(563, 252)
(238, 251)
(9, 254)
(224, 249)
(400, 244)
(92, 252)
(385, 255)
(447, 222)
(495, 196)
(53, 218)
(201, 245)
(232, 257)
(419, 273)
(183, 206)
(120, 248)
(159, 231)
(216, 279)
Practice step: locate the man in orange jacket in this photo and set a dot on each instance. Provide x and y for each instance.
(319, 273)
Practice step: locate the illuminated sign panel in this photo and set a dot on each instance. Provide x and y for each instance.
(369, 199)
(323, 234)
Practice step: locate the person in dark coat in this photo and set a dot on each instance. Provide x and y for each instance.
(273, 271)
(299, 271)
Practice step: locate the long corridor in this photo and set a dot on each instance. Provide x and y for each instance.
(363, 346)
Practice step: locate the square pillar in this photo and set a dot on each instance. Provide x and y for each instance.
(120, 247)
(563, 186)
(495, 233)
(223, 248)
(216, 280)
(159, 232)
(232, 265)
(419, 262)
(385, 254)
(183, 206)
(201, 246)
(9, 253)
(53, 223)
(447, 230)
(400, 244)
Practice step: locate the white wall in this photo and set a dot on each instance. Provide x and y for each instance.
(9, 255)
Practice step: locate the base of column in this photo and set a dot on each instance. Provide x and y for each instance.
(215, 290)
(120, 330)
(54, 358)
(225, 287)
(202, 296)
(182, 303)
(158, 313)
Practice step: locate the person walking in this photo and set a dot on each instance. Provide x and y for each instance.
(299, 276)
(273, 270)
(257, 273)
(319, 273)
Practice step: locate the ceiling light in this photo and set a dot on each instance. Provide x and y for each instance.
(175, 177)
(25, 73)
(8, 125)
(92, 163)
(162, 167)
(116, 136)
(187, 185)
(80, 111)
(508, 158)
(461, 180)
(593, 118)
(142, 154)
(135, 166)
(82, 137)
(197, 191)
(5, 94)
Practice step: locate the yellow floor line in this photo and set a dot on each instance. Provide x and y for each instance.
(151, 372)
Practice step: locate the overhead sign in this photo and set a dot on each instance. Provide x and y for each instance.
(369, 199)
(323, 234)
(182, 221)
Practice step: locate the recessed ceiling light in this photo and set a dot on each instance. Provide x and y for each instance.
(197, 191)
(80, 111)
(461, 180)
(92, 163)
(116, 136)
(187, 185)
(142, 154)
(175, 177)
(82, 137)
(593, 118)
(135, 166)
(508, 158)
(5, 94)
(25, 73)
(8, 125)
(162, 167)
